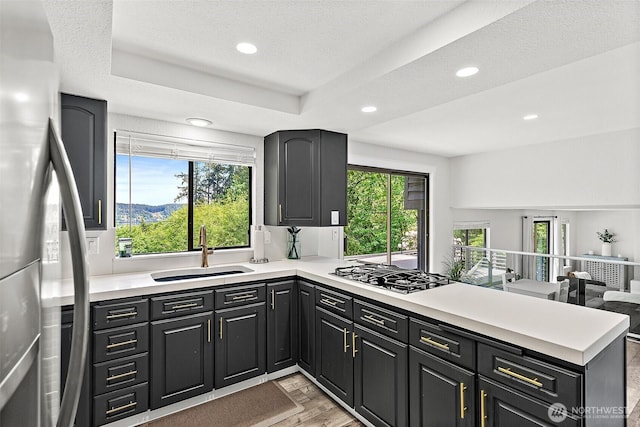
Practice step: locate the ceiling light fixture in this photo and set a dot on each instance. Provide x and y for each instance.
(199, 122)
(530, 117)
(467, 71)
(368, 109)
(21, 97)
(246, 48)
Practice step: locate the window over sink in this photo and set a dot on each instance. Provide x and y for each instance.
(166, 187)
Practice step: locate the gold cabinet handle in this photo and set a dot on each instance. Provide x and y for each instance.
(119, 315)
(344, 334)
(121, 408)
(273, 299)
(329, 302)
(353, 344)
(508, 371)
(372, 319)
(179, 306)
(220, 327)
(483, 415)
(463, 408)
(441, 346)
(280, 211)
(99, 211)
(120, 344)
(244, 296)
(126, 374)
(208, 330)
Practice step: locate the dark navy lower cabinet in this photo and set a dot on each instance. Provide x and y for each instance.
(282, 325)
(182, 358)
(306, 327)
(441, 393)
(380, 377)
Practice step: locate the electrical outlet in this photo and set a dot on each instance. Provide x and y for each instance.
(92, 245)
(334, 235)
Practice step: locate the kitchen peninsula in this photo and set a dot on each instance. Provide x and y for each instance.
(514, 350)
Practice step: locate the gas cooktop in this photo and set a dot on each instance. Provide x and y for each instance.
(392, 277)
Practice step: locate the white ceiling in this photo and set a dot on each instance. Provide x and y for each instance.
(574, 63)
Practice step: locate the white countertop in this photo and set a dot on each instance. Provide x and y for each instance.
(565, 331)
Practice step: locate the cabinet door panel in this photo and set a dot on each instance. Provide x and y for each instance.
(380, 378)
(181, 358)
(306, 327)
(84, 133)
(436, 398)
(334, 360)
(506, 407)
(282, 331)
(240, 351)
(300, 177)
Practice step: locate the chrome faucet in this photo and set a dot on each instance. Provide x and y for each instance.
(203, 245)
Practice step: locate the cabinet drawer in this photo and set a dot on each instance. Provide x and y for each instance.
(392, 324)
(119, 313)
(119, 342)
(120, 373)
(533, 376)
(240, 295)
(335, 302)
(120, 404)
(166, 306)
(445, 344)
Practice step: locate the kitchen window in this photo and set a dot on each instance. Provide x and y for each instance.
(166, 188)
(387, 213)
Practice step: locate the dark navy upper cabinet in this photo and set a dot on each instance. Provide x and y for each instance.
(305, 178)
(84, 134)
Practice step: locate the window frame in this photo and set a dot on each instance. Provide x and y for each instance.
(422, 262)
(190, 206)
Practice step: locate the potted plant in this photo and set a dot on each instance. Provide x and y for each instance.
(607, 238)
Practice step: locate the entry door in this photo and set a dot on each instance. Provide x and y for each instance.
(542, 245)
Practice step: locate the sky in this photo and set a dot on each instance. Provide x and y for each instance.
(152, 180)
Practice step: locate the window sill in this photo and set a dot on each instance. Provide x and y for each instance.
(220, 252)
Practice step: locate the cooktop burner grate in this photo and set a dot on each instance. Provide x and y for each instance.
(392, 277)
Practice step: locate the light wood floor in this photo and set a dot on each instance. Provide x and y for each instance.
(320, 410)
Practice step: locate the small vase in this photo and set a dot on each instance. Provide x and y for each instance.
(606, 249)
(293, 246)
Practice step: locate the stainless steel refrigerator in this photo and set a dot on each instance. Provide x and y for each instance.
(34, 177)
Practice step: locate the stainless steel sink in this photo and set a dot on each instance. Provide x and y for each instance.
(194, 273)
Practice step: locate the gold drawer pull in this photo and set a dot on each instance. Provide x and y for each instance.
(245, 296)
(508, 371)
(208, 330)
(119, 315)
(126, 374)
(483, 415)
(329, 302)
(428, 340)
(191, 304)
(273, 299)
(220, 327)
(463, 408)
(374, 320)
(120, 344)
(99, 211)
(346, 346)
(121, 408)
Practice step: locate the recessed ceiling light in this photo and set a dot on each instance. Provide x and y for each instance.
(246, 48)
(198, 121)
(21, 97)
(369, 109)
(530, 117)
(467, 71)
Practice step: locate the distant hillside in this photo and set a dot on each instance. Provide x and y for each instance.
(147, 212)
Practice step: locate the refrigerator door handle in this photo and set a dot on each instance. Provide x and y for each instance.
(75, 226)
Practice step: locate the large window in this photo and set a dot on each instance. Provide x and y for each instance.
(387, 216)
(166, 189)
(470, 234)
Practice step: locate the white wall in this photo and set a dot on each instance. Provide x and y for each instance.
(437, 167)
(598, 171)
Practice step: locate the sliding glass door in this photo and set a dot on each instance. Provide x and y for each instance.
(387, 217)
